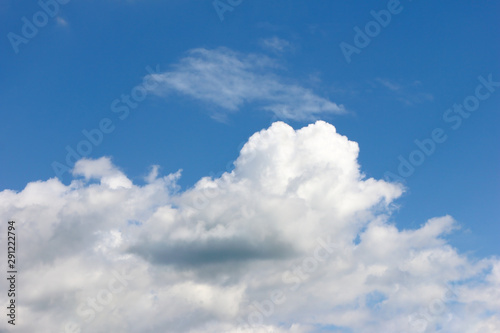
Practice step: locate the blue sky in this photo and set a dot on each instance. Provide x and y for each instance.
(65, 78)
(392, 92)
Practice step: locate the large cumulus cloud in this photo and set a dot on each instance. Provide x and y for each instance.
(294, 239)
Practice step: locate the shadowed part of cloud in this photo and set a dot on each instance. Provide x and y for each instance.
(211, 251)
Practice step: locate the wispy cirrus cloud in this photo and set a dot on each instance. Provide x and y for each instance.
(275, 44)
(230, 81)
(388, 84)
(409, 94)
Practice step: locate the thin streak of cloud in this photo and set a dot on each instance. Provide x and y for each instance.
(405, 93)
(231, 81)
(275, 44)
(388, 84)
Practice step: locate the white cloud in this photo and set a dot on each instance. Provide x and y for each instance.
(231, 80)
(103, 170)
(275, 44)
(295, 237)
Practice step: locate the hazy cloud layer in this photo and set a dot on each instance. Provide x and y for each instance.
(229, 80)
(294, 239)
